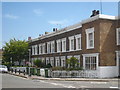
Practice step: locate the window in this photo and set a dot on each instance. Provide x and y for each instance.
(47, 60)
(33, 50)
(48, 47)
(43, 60)
(63, 62)
(63, 44)
(68, 57)
(36, 48)
(52, 61)
(90, 38)
(90, 61)
(118, 36)
(52, 47)
(71, 43)
(59, 45)
(40, 48)
(57, 61)
(78, 41)
(78, 57)
(43, 48)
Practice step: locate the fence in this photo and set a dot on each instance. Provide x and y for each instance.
(75, 74)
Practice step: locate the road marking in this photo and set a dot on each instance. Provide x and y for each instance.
(98, 82)
(113, 87)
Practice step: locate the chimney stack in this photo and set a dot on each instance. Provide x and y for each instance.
(54, 29)
(94, 13)
(29, 38)
(46, 32)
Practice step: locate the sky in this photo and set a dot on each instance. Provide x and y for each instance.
(23, 19)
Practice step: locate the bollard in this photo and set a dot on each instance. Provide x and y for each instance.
(12, 70)
(24, 72)
(19, 71)
(15, 70)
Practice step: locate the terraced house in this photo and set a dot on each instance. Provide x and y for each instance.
(95, 42)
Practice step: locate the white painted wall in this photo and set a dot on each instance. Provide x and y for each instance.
(107, 71)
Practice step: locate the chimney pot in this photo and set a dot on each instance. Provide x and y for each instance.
(29, 38)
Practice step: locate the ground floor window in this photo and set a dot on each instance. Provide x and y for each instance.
(47, 61)
(57, 60)
(52, 61)
(90, 61)
(63, 61)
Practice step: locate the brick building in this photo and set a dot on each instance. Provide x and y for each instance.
(95, 42)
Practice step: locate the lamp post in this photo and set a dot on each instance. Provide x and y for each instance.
(11, 63)
(29, 62)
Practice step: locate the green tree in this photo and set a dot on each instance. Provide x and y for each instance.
(15, 50)
(38, 63)
(72, 62)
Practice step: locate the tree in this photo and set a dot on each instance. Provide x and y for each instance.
(15, 50)
(73, 62)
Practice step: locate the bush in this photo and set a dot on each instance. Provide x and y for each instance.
(37, 63)
(57, 68)
(48, 66)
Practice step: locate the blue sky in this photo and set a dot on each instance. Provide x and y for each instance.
(23, 19)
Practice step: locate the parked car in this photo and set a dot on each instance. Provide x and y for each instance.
(3, 69)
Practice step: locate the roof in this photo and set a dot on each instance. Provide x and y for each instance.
(75, 26)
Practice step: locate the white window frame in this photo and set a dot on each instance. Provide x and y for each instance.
(33, 50)
(91, 55)
(40, 49)
(70, 46)
(43, 48)
(78, 57)
(57, 61)
(76, 37)
(63, 46)
(47, 60)
(117, 36)
(63, 60)
(58, 45)
(52, 46)
(48, 47)
(88, 31)
(36, 48)
(43, 59)
(68, 57)
(52, 61)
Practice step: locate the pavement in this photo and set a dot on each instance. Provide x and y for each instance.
(64, 79)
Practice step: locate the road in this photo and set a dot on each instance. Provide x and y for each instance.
(10, 81)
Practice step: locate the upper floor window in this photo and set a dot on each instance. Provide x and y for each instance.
(52, 46)
(40, 49)
(59, 45)
(71, 43)
(90, 38)
(48, 47)
(33, 50)
(78, 42)
(118, 36)
(63, 44)
(36, 49)
(43, 48)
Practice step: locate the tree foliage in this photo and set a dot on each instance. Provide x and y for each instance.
(37, 63)
(15, 50)
(72, 62)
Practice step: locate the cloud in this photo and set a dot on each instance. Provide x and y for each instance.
(61, 22)
(38, 12)
(10, 16)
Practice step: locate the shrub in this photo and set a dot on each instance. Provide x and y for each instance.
(37, 63)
